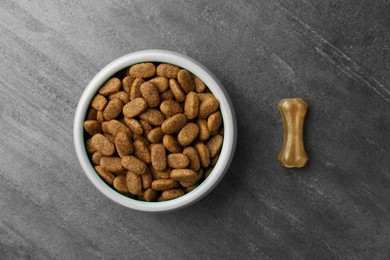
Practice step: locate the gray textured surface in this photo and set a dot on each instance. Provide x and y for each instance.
(334, 54)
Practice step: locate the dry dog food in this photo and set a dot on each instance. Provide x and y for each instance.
(155, 133)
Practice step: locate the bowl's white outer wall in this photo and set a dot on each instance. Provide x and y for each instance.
(229, 120)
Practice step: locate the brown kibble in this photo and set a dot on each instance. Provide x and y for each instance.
(207, 107)
(203, 96)
(190, 188)
(134, 164)
(166, 95)
(174, 124)
(103, 145)
(186, 80)
(113, 109)
(92, 127)
(142, 151)
(215, 144)
(134, 125)
(127, 82)
(99, 102)
(147, 179)
(204, 154)
(152, 116)
(177, 160)
(170, 108)
(150, 195)
(171, 194)
(89, 146)
(110, 87)
(122, 96)
(171, 144)
(135, 107)
(164, 184)
(161, 83)
(150, 93)
(114, 127)
(96, 156)
(208, 172)
(110, 137)
(133, 183)
(193, 157)
(135, 91)
(105, 127)
(214, 121)
(100, 117)
(191, 105)
(165, 174)
(159, 157)
(204, 132)
(214, 160)
(176, 90)
(155, 135)
(120, 184)
(188, 134)
(142, 70)
(192, 182)
(199, 85)
(112, 164)
(105, 175)
(146, 127)
(123, 144)
(91, 114)
(167, 70)
(183, 174)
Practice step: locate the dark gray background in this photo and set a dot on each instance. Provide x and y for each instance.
(335, 54)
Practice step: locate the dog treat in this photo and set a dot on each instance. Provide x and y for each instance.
(293, 111)
(155, 134)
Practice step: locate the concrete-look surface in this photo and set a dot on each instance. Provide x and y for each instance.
(334, 54)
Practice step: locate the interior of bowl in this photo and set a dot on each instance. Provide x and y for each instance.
(117, 67)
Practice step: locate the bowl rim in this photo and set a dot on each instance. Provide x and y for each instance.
(216, 87)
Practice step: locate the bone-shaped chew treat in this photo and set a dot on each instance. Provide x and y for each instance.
(293, 152)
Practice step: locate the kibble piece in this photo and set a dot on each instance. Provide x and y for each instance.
(161, 83)
(100, 117)
(159, 157)
(164, 184)
(170, 108)
(166, 95)
(171, 144)
(150, 195)
(165, 174)
(214, 121)
(203, 96)
(135, 107)
(89, 146)
(199, 175)
(171, 194)
(188, 134)
(134, 125)
(186, 80)
(91, 114)
(123, 144)
(135, 91)
(199, 85)
(142, 70)
(122, 96)
(110, 87)
(204, 154)
(215, 159)
(113, 109)
(208, 172)
(127, 82)
(155, 135)
(146, 127)
(120, 184)
(142, 151)
(204, 132)
(207, 107)
(177, 160)
(174, 124)
(183, 174)
(133, 183)
(99, 102)
(110, 137)
(193, 157)
(134, 164)
(190, 188)
(112, 164)
(105, 175)
(150, 93)
(96, 156)
(92, 127)
(146, 179)
(215, 144)
(176, 90)
(191, 105)
(167, 70)
(152, 116)
(103, 145)
(114, 127)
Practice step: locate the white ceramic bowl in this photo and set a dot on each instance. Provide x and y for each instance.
(229, 120)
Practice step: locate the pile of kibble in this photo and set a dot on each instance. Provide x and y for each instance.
(155, 134)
